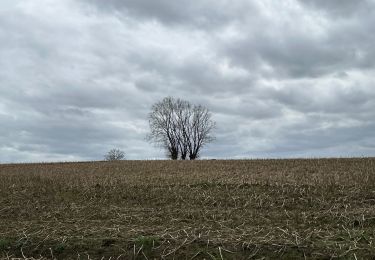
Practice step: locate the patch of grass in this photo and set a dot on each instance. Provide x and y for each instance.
(59, 248)
(147, 243)
(5, 244)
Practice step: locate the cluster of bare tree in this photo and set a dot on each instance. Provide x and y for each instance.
(180, 127)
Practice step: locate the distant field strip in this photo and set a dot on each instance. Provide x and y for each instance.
(210, 209)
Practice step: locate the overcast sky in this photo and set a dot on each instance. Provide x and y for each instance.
(292, 78)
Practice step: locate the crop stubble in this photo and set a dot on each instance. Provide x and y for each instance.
(209, 209)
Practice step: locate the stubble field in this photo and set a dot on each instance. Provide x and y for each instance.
(235, 209)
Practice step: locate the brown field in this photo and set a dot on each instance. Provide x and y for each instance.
(245, 209)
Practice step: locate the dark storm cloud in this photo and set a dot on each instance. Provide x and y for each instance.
(282, 78)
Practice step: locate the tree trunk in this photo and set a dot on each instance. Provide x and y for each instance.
(192, 156)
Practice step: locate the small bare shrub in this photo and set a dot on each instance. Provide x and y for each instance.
(115, 155)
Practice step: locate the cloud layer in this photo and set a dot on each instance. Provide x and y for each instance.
(282, 78)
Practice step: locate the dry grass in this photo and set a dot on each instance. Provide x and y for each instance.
(247, 209)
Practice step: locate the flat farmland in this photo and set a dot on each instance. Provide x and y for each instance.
(208, 209)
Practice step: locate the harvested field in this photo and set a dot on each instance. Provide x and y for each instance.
(235, 209)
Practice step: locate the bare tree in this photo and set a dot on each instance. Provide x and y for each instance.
(199, 130)
(180, 127)
(114, 155)
(163, 127)
(182, 114)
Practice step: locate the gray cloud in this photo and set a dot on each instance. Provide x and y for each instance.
(302, 43)
(194, 14)
(283, 79)
(339, 7)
